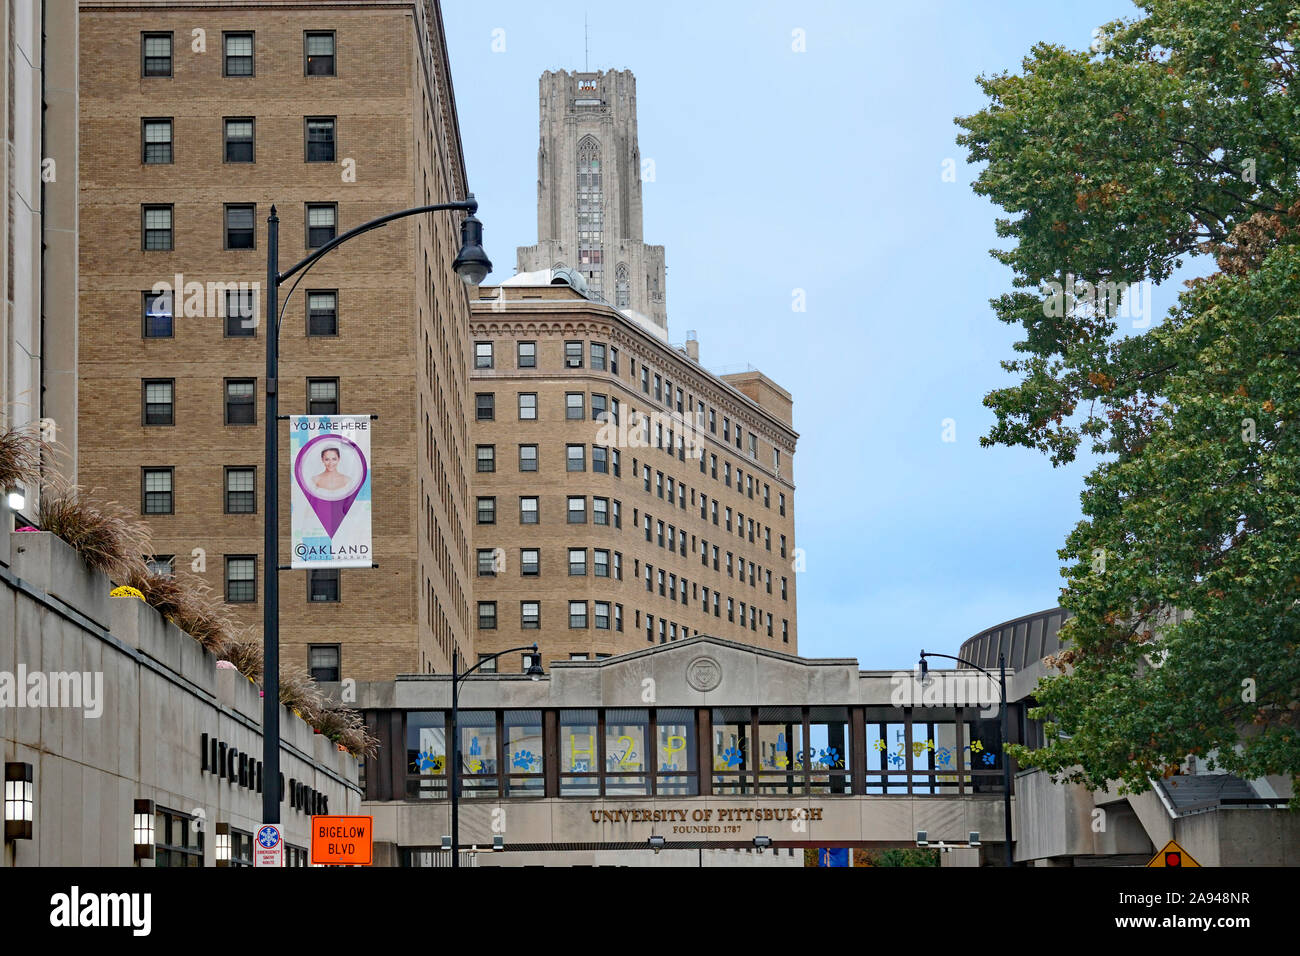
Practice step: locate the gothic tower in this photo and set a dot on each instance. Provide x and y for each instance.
(589, 191)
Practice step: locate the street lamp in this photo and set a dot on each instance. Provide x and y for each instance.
(534, 672)
(923, 669)
(472, 265)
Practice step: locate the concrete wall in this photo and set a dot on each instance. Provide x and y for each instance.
(161, 691)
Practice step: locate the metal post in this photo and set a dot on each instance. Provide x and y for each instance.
(271, 543)
(1006, 763)
(453, 756)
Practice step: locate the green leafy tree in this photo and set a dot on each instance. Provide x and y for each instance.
(1178, 136)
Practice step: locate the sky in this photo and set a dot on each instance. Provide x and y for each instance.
(821, 170)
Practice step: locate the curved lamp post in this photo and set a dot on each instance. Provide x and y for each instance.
(472, 265)
(923, 669)
(534, 672)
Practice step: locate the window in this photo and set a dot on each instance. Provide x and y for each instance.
(487, 615)
(573, 355)
(241, 313)
(645, 380)
(618, 513)
(577, 614)
(600, 511)
(157, 318)
(600, 563)
(323, 588)
(322, 221)
(239, 139)
(781, 501)
(530, 561)
(659, 389)
(157, 228)
(598, 408)
(318, 52)
(530, 615)
(239, 53)
(528, 511)
(487, 663)
(241, 578)
(159, 404)
(320, 139)
(783, 589)
(599, 459)
(528, 406)
(485, 406)
(162, 564)
(574, 406)
(713, 466)
(157, 491)
(156, 54)
(577, 562)
(753, 445)
(618, 566)
(487, 511)
(241, 495)
(613, 360)
(527, 457)
(156, 139)
(322, 312)
(575, 457)
(602, 615)
(486, 458)
(482, 354)
(180, 840)
(577, 510)
(527, 355)
(597, 357)
(783, 546)
(239, 227)
(487, 562)
(322, 396)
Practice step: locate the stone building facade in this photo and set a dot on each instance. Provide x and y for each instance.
(199, 117)
(589, 174)
(624, 495)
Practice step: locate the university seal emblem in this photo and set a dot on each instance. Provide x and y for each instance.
(704, 674)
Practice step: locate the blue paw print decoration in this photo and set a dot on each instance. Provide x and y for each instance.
(896, 760)
(988, 758)
(732, 757)
(830, 757)
(943, 756)
(523, 759)
(427, 762)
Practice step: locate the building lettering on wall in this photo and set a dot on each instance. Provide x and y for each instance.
(245, 771)
(708, 815)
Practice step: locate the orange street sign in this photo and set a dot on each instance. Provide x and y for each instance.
(342, 841)
(1173, 856)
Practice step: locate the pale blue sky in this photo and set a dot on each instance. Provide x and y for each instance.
(821, 170)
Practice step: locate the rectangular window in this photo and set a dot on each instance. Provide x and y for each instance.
(527, 457)
(486, 458)
(157, 319)
(487, 615)
(527, 355)
(602, 615)
(322, 312)
(577, 614)
(645, 380)
(577, 510)
(239, 139)
(577, 562)
(239, 226)
(528, 406)
(659, 389)
(157, 228)
(157, 484)
(323, 588)
(156, 54)
(600, 511)
(781, 501)
(162, 564)
(322, 223)
(241, 578)
(239, 54)
(487, 511)
(482, 354)
(597, 357)
(528, 510)
(485, 406)
(241, 495)
(318, 52)
(530, 561)
(241, 313)
(156, 138)
(322, 396)
(574, 406)
(599, 459)
(487, 562)
(159, 403)
(487, 664)
(575, 457)
(613, 367)
(530, 615)
(600, 563)
(573, 355)
(598, 410)
(320, 139)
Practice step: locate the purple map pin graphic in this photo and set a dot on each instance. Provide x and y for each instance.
(330, 511)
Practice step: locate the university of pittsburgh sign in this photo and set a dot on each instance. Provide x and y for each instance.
(708, 819)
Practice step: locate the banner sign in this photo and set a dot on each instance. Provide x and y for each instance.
(330, 504)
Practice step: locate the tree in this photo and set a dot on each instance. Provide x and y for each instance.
(1177, 137)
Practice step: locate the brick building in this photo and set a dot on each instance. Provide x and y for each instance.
(624, 495)
(196, 117)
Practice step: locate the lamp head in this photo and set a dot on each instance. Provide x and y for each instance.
(472, 263)
(17, 497)
(535, 671)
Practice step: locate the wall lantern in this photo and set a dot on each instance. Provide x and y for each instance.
(19, 801)
(498, 842)
(223, 844)
(922, 838)
(17, 496)
(143, 829)
(974, 838)
(761, 843)
(656, 843)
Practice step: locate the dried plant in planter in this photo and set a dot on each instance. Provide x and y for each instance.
(298, 692)
(244, 650)
(20, 457)
(106, 535)
(347, 728)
